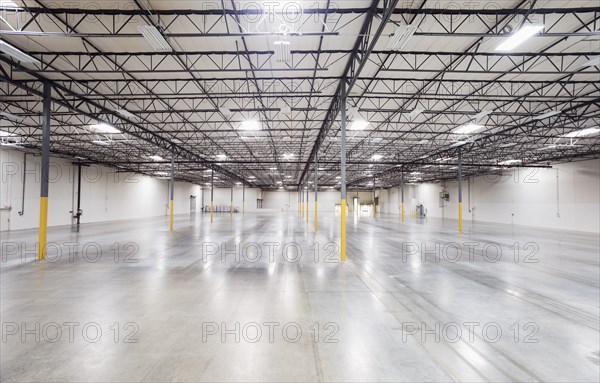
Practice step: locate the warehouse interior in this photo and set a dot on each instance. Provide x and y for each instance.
(299, 191)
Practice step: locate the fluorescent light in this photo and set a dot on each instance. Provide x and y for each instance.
(156, 158)
(546, 115)
(125, 113)
(593, 62)
(583, 132)
(155, 38)
(221, 156)
(468, 129)
(104, 128)
(518, 37)
(480, 115)
(5, 134)
(509, 162)
(11, 116)
(415, 112)
(358, 125)
(288, 155)
(282, 51)
(400, 38)
(250, 125)
(161, 173)
(507, 145)
(100, 142)
(415, 173)
(7, 4)
(376, 157)
(16, 53)
(547, 147)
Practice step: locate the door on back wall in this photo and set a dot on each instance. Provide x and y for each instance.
(192, 204)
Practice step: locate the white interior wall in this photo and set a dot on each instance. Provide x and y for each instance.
(105, 194)
(563, 197)
(288, 200)
(222, 197)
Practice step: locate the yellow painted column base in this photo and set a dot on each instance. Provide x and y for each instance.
(402, 212)
(460, 219)
(343, 232)
(171, 215)
(43, 228)
(307, 212)
(211, 211)
(316, 216)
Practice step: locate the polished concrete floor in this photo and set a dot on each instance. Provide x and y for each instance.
(519, 304)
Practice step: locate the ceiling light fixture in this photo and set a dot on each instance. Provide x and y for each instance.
(593, 62)
(125, 113)
(11, 116)
(282, 51)
(155, 38)
(583, 132)
(100, 142)
(156, 158)
(377, 157)
(546, 115)
(250, 125)
(518, 37)
(415, 113)
(16, 53)
(480, 115)
(221, 156)
(468, 129)
(400, 38)
(103, 127)
(5, 134)
(510, 162)
(358, 125)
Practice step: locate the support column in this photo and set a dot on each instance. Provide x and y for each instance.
(171, 191)
(460, 220)
(243, 198)
(374, 195)
(343, 172)
(316, 193)
(307, 190)
(231, 203)
(402, 192)
(45, 172)
(299, 202)
(78, 213)
(212, 193)
(301, 191)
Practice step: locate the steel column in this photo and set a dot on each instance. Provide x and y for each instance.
(212, 193)
(316, 184)
(307, 191)
(171, 191)
(78, 212)
(45, 172)
(402, 193)
(460, 221)
(343, 172)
